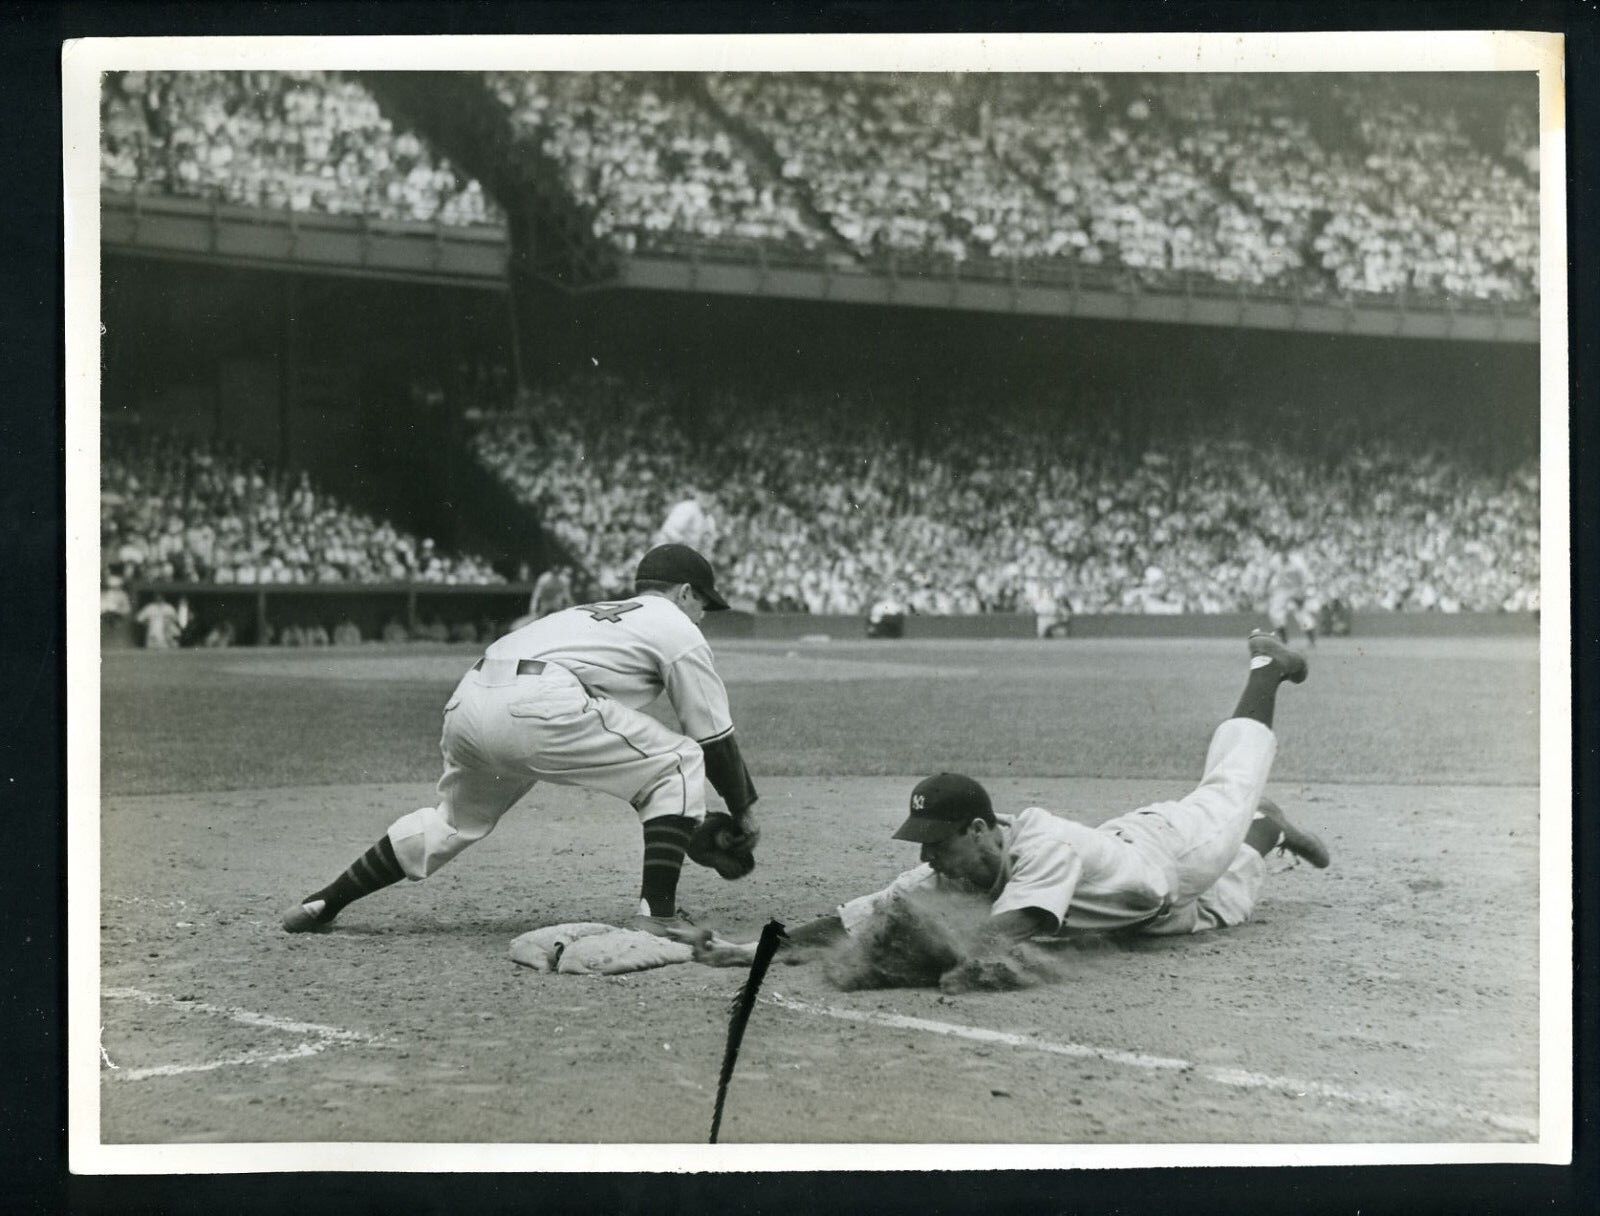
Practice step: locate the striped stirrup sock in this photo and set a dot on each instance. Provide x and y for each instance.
(375, 869)
(665, 842)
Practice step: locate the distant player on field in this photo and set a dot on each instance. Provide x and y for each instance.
(1291, 594)
(689, 523)
(552, 592)
(162, 626)
(1168, 868)
(559, 700)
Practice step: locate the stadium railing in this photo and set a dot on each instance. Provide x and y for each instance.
(191, 229)
(358, 245)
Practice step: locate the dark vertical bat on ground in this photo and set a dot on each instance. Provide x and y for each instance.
(739, 1014)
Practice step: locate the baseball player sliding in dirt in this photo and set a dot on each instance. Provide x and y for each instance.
(1168, 868)
(558, 700)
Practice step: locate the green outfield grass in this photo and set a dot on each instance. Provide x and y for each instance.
(1426, 712)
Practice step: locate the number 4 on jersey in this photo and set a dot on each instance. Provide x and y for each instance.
(610, 610)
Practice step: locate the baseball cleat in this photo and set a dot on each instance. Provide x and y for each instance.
(1301, 843)
(307, 918)
(1292, 661)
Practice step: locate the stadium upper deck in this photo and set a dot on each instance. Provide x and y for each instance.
(1326, 187)
(302, 141)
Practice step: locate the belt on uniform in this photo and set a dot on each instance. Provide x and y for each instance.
(525, 667)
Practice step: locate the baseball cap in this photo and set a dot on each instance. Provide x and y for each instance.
(942, 805)
(681, 564)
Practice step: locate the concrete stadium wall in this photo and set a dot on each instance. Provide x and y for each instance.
(493, 608)
(790, 626)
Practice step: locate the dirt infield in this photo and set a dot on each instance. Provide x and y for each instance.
(1364, 979)
(1392, 997)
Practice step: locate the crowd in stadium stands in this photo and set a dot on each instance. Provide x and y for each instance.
(650, 163)
(1136, 181)
(1001, 518)
(306, 141)
(1218, 177)
(1331, 186)
(175, 510)
(1435, 214)
(887, 159)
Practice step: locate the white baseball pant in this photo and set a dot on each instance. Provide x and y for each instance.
(504, 733)
(1199, 840)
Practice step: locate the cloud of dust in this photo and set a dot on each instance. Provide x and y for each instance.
(918, 936)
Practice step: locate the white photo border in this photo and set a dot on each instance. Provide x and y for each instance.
(1371, 51)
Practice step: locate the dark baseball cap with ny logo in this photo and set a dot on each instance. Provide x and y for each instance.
(942, 805)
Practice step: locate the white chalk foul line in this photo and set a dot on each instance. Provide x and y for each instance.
(245, 1016)
(321, 1036)
(307, 1048)
(1238, 1078)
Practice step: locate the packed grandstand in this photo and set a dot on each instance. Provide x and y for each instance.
(814, 504)
(186, 510)
(1323, 186)
(303, 141)
(813, 511)
(810, 513)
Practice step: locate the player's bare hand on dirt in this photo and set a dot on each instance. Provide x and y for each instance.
(719, 953)
(708, 948)
(676, 930)
(989, 973)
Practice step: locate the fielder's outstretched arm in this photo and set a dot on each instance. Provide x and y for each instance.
(700, 700)
(728, 774)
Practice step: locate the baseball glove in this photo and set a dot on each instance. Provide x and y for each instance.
(725, 845)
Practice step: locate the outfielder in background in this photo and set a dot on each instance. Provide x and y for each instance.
(558, 700)
(1168, 868)
(552, 592)
(688, 522)
(1292, 595)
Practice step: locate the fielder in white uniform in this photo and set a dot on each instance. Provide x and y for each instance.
(688, 523)
(1168, 868)
(1291, 595)
(162, 626)
(558, 700)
